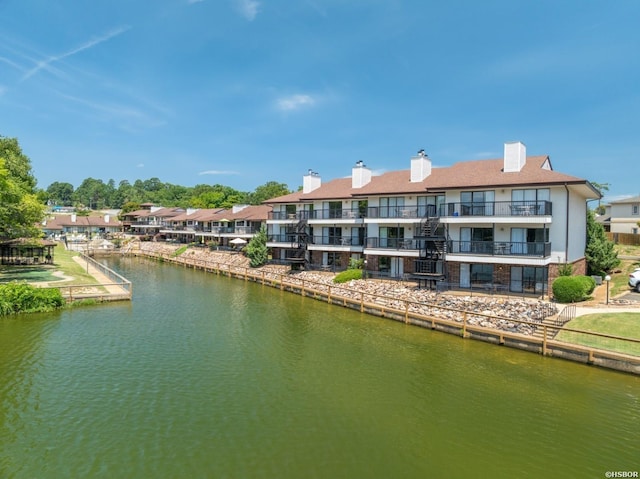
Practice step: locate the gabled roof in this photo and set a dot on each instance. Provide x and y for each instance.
(633, 199)
(536, 172)
(251, 213)
(58, 222)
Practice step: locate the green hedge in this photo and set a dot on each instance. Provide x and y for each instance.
(348, 275)
(571, 289)
(21, 297)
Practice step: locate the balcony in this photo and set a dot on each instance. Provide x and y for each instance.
(336, 241)
(401, 212)
(500, 248)
(288, 216)
(394, 243)
(497, 208)
(337, 214)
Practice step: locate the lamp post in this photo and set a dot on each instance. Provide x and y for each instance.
(607, 278)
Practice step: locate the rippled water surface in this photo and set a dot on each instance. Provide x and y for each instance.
(211, 377)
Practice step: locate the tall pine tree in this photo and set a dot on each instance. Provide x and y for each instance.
(600, 253)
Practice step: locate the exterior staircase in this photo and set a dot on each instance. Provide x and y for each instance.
(430, 267)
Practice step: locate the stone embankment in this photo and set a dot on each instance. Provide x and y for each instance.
(496, 312)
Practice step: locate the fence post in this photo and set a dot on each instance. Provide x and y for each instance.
(362, 301)
(544, 340)
(406, 311)
(464, 324)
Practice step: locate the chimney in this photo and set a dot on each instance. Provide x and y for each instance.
(515, 156)
(311, 181)
(73, 218)
(106, 218)
(420, 167)
(237, 208)
(360, 175)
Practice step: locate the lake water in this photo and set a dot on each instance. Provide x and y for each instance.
(209, 377)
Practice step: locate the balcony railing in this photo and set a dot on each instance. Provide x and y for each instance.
(500, 248)
(337, 214)
(497, 208)
(337, 241)
(283, 238)
(394, 243)
(401, 211)
(293, 216)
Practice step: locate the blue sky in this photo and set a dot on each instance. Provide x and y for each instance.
(241, 92)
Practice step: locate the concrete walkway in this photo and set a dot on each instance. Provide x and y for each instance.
(627, 302)
(101, 278)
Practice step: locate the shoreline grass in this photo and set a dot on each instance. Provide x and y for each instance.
(626, 325)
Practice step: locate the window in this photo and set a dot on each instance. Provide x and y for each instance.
(528, 279)
(430, 205)
(481, 273)
(384, 264)
(389, 207)
(536, 200)
(335, 209)
(477, 203)
(529, 240)
(634, 210)
(476, 240)
(331, 235)
(391, 237)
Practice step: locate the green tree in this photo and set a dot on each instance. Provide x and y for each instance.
(91, 193)
(128, 207)
(17, 164)
(60, 193)
(257, 248)
(600, 253)
(601, 187)
(20, 207)
(269, 190)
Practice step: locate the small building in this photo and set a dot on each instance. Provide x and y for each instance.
(26, 251)
(622, 216)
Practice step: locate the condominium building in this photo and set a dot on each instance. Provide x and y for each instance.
(505, 224)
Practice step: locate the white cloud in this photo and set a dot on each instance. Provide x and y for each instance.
(191, 2)
(140, 165)
(218, 172)
(3, 90)
(294, 102)
(248, 8)
(44, 64)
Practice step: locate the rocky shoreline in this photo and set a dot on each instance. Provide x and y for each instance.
(495, 312)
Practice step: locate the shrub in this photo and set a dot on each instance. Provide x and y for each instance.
(565, 269)
(18, 297)
(570, 289)
(179, 251)
(348, 275)
(588, 283)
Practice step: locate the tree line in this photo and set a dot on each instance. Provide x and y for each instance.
(96, 194)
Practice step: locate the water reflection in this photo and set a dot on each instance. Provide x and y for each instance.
(205, 376)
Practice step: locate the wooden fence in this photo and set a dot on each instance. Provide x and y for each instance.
(467, 324)
(624, 238)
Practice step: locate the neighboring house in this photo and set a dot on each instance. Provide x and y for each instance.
(81, 228)
(505, 224)
(217, 224)
(149, 220)
(622, 216)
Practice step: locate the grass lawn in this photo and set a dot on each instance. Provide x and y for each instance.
(63, 261)
(620, 281)
(626, 325)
